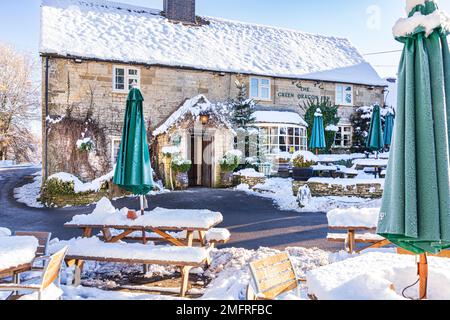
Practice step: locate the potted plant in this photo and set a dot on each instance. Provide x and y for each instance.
(181, 168)
(302, 163)
(228, 164)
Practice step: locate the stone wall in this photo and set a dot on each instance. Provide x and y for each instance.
(361, 190)
(89, 85)
(250, 181)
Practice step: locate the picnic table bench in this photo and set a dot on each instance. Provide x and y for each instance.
(180, 228)
(93, 249)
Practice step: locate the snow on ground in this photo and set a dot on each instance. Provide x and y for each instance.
(228, 275)
(280, 191)
(378, 276)
(29, 193)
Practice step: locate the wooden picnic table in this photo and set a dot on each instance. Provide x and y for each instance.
(21, 252)
(377, 164)
(351, 237)
(156, 222)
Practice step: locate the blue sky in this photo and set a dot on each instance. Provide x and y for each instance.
(367, 23)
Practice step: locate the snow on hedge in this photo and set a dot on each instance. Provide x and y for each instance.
(80, 187)
(106, 214)
(371, 162)
(94, 247)
(378, 276)
(122, 32)
(353, 217)
(15, 251)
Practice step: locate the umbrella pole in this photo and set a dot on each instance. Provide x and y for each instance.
(142, 204)
(423, 276)
(317, 151)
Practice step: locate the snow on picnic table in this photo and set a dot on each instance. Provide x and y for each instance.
(371, 162)
(353, 217)
(106, 214)
(378, 276)
(94, 247)
(15, 251)
(4, 232)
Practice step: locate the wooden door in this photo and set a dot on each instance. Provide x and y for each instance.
(207, 147)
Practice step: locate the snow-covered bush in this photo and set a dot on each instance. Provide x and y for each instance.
(304, 159)
(230, 160)
(85, 144)
(170, 151)
(181, 165)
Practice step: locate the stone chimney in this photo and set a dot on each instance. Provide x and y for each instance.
(180, 10)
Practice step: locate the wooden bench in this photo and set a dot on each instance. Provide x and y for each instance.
(271, 277)
(352, 237)
(136, 253)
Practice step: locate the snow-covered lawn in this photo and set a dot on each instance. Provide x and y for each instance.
(280, 191)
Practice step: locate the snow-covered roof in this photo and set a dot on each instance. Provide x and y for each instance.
(285, 117)
(111, 31)
(194, 107)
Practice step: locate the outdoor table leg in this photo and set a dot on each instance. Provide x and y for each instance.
(144, 241)
(87, 232)
(351, 241)
(190, 238)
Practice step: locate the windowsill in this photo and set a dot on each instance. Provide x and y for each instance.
(120, 92)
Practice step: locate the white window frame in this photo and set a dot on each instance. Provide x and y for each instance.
(127, 78)
(113, 154)
(342, 132)
(340, 89)
(266, 142)
(260, 86)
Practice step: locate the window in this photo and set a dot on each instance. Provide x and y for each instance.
(290, 139)
(260, 88)
(115, 147)
(344, 95)
(124, 78)
(343, 137)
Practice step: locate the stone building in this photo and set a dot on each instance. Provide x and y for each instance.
(93, 51)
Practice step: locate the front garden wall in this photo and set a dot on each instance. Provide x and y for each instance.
(361, 190)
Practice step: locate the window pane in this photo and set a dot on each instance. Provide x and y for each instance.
(274, 131)
(132, 72)
(265, 94)
(283, 131)
(297, 132)
(119, 79)
(254, 88)
(291, 131)
(282, 140)
(265, 82)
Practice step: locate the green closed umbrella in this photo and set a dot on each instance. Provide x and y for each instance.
(375, 141)
(133, 170)
(388, 129)
(318, 133)
(415, 211)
